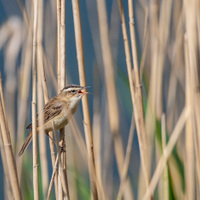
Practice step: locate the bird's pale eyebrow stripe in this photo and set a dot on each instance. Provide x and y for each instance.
(69, 89)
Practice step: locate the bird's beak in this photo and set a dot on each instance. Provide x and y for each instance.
(81, 92)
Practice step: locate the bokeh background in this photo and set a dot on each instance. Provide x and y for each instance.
(167, 36)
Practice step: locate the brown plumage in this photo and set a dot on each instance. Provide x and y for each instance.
(59, 109)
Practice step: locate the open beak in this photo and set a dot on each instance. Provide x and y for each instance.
(82, 92)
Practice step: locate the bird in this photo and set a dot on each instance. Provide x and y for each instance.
(59, 110)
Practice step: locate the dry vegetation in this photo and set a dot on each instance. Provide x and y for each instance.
(145, 80)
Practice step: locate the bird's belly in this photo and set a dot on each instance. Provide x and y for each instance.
(59, 122)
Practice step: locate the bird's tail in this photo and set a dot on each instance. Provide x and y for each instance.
(26, 143)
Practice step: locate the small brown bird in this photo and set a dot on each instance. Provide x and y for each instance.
(58, 110)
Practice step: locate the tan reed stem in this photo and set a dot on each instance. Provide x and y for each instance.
(58, 158)
(167, 151)
(135, 88)
(34, 107)
(5, 169)
(58, 43)
(42, 142)
(25, 80)
(60, 192)
(86, 114)
(127, 161)
(53, 175)
(97, 134)
(61, 83)
(111, 91)
(8, 148)
(51, 143)
(189, 130)
(191, 13)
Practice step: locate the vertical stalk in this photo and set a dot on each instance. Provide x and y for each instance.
(86, 114)
(34, 93)
(167, 151)
(42, 142)
(135, 89)
(8, 148)
(58, 43)
(111, 91)
(61, 83)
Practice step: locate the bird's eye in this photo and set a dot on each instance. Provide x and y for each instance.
(73, 91)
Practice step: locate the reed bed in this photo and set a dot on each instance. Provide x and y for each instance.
(137, 135)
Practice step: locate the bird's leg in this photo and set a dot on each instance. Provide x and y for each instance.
(62, 146)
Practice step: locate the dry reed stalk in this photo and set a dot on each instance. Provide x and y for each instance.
(111, 90)
(190, 10)
(58, 43)
(86, 114)
(153, 18)
(61, 83)
(151, 104)
(189, 131)
(8, 189)
(42, 142)
(65, 187)
(53, 175)
(138, 92)
(25, 77)
(63, 162)
(97, 133)
(135, 88)
(34, 105)
(165, 173)
(127, 161)
(8, 148)
(72, 164)
(60, 190)
(7, 184)
(51, 143)
(167, 151)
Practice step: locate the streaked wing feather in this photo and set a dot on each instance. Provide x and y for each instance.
(51, 109)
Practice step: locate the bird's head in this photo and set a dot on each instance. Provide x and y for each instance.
(74, 92)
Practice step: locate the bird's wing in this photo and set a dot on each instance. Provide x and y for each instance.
(51, 109)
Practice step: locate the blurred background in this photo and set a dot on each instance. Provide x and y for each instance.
(167, 42)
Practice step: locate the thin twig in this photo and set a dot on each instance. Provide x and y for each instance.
(56, 163)
(53, 175)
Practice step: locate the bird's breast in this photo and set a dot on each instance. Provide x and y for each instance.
(61, 120)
